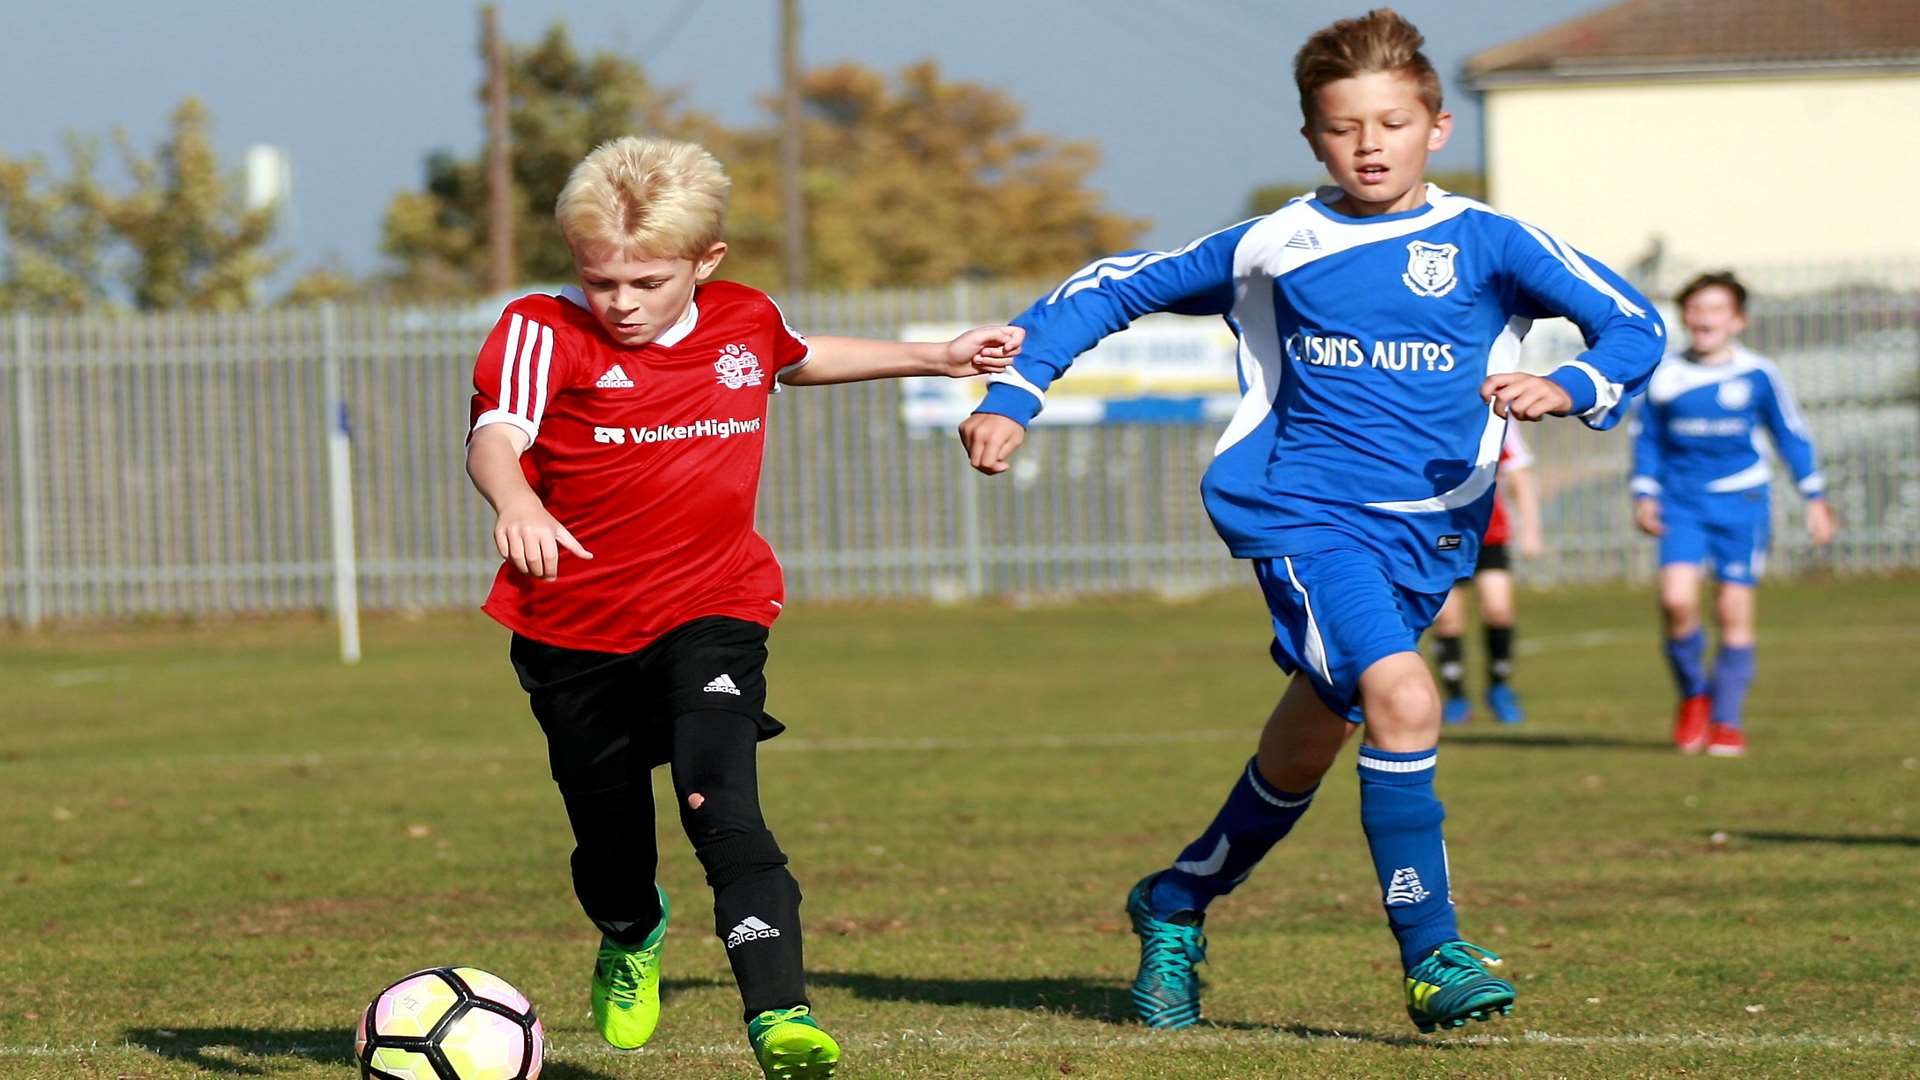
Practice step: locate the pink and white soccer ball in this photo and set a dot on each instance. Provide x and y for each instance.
(452, 1023)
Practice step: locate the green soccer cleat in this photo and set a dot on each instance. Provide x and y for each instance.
(790, 1046)
(1452, 986)
(626, 987)
(1166, 992)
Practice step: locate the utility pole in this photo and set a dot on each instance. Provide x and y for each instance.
(796, 237)
(501, 274)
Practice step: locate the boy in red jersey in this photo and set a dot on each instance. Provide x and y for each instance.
(617, 432)
(1493, 585)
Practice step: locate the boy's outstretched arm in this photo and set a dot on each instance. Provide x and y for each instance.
(983, 350)
(525, 534)
(1100, 298)
(1625, 337)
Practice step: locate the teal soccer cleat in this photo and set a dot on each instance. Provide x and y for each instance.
(1455, 711)
(790, 1045)
(1452, 986)
(1166, 992)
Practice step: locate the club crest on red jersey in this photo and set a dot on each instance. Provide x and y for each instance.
(738, 367)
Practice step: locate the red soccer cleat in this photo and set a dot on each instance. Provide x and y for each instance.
(1725, 741)
(1690, 723)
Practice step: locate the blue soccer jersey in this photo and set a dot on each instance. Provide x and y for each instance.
(1362, 346)
(1698, 434)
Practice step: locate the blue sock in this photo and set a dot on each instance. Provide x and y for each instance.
(1687, 656)
(1253, 819)
(1402, 816)
(1732, 674)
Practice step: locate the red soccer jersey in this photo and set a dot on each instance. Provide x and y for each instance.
(650, 456)
(1513, 455)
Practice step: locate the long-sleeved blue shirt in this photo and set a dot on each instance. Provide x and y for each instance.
(1362, 346)
(1698, 433)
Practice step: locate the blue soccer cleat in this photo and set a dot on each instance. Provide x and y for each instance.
(1505, 704)
(1455, 710)
(1166, 992)
(1453, 985)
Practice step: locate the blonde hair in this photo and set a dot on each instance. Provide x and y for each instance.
(1380, 40)
(644, 196)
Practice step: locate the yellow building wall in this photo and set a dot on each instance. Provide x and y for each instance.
(1777, 171)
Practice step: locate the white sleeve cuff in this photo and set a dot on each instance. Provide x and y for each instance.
(512, 419)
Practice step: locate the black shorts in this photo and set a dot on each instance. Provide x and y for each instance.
(1493, 557)
(605, 712)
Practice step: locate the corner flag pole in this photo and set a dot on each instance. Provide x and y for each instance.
(346, 597)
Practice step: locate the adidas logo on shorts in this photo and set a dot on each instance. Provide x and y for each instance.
(723, 684)
(750, 929)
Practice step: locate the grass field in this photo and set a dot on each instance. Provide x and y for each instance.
(218, 844)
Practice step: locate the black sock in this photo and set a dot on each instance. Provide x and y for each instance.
(613, 860)
(1499, 654)
(1446, 653)
(756, 902)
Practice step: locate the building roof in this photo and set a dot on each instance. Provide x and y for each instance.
(1704, 37)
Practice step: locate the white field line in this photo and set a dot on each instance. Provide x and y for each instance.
(589, 1050)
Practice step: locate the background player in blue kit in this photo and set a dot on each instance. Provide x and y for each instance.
(1700, 484)
(1379, 325)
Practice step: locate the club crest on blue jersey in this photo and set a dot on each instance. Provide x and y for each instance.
(1430, 268)
(1734, 394)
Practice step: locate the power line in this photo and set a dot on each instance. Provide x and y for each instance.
(681, 17)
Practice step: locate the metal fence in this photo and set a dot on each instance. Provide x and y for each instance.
(175, 464)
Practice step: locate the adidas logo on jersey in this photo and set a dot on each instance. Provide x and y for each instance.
(1405, 888)
(723, 684)
(750, 929)
(614, 379)
(1304, 240)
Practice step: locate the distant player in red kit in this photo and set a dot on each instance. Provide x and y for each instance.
(1493, 587)
(618, 430)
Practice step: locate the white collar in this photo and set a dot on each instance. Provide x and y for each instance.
(673, 335)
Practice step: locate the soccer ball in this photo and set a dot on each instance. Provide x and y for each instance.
(449, 1024)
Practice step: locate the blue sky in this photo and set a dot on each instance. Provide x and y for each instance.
(1190, 101)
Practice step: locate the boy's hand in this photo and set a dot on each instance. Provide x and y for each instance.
(990, 440)
(1819, 522)
(1519, 396)
(982, 351)
(1530, 544)
(530, 539)
(1646, 517)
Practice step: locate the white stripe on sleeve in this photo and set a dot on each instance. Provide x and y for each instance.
(540, 382)
(524, 369)
(505, 396)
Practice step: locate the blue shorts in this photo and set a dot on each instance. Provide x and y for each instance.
(1734, 537)
(1335, 614)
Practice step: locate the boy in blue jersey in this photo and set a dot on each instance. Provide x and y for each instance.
(1379, 325)
(1700, 481)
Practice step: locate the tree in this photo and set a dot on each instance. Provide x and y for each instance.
(332, 281)
(1267, 198)
(559, 106)
(921, 182)
(56, 237)
(194, 244)
(917, 182)
(180, 237)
